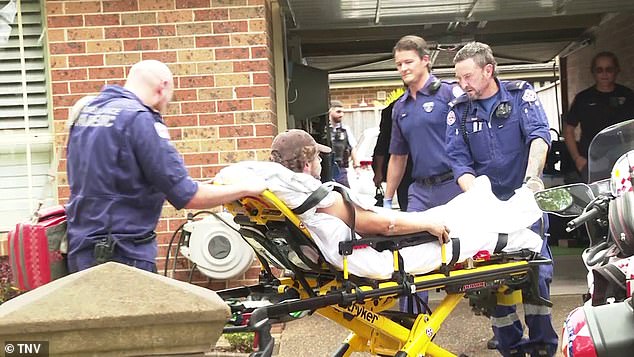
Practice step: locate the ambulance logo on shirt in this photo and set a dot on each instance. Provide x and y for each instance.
(529, 95)
(162, 130)
(429, 106)
(451, 118)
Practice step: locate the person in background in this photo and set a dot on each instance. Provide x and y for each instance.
(343, 143)
(122, 167)
(381, 156)
(595, 108)
(499, 129)
(418, 131)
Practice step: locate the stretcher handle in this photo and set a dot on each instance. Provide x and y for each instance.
(302, 305)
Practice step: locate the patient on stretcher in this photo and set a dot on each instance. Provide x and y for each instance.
(475, 217)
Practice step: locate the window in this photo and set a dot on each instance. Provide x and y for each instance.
(26, 140)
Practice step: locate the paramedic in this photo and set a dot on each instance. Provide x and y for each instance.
(121, 169)
(418, 130)
(499, 129)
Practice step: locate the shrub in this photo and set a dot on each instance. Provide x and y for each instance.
(241, 341)
(7, 290)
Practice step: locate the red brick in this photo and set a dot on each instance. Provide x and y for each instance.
(82, 7)
(86, 86)
(217, 119)
(176, 133)
(118, 81)
(60, 113)
(235, 131)
(259, 52)
(181, 120)
(157, 5)
(85, 61)
(60, 88)
(234, 105)
(255, 143)
(211, 15)
(68, 74)
(231, 26)
(165, 57)
(195, 172)
(212, 41)
(65, 21)
(232, 53)
(120, 5)
(158, 30)
(184, 95)
(65, 100)
(261, 78)
(201, 159)
(198, 107)
(67, 48)
(190, 4)
(210, 171)
(105, 72)
(102, 20)
(63, 191)
(251, 92)
(251, 66)
(140, 45)
(265, 130)
(122, 32)
(196, 81)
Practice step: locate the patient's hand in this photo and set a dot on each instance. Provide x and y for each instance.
(439, 230)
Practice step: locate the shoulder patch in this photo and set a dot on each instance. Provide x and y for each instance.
(516, 85)
(162, 130)
(451, 118)
(457, 91)
(529, 95)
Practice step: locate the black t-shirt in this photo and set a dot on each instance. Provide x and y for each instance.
(595, 110)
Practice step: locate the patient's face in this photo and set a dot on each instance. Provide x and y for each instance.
(313, 168)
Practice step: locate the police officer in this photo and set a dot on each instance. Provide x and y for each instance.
(121, 169)
(499, 129)
(343, 143)
(604, 104)
(418, 130)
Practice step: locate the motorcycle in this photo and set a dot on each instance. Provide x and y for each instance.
(604, 325)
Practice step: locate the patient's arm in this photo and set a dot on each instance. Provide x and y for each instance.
(369, 222)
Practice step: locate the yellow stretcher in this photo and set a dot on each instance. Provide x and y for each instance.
(361, 305)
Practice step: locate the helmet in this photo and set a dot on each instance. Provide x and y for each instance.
(576, 338)
(621, 211)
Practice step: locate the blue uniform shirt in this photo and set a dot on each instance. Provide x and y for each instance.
(121, 168)
(418, 128)
(499, 133)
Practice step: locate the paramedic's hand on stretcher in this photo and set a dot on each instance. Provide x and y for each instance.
(387, 203)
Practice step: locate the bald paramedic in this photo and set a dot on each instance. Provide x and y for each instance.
(122, 167)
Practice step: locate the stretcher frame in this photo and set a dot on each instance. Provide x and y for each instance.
(360, 304)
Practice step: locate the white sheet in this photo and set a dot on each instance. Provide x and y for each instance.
(475, 217)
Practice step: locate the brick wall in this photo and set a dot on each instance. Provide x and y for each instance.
(219, 53)
(616, 36)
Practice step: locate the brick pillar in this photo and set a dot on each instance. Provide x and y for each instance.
(218, 50)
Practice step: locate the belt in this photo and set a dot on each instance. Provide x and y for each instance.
(436, 179)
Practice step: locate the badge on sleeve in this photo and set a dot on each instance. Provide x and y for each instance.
(451, 118)
(162, 130)
(529, 95)
(429, 106)
(457, 91)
